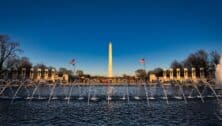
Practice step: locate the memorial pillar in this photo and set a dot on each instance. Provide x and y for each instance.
(185, 73)
(164, 74)
(46, 74)
(171, 74)
(39, 74)
(53, 75)
(193, 73)
(178, 73)
(31, 73)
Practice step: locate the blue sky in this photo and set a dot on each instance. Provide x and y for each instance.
(53, 32)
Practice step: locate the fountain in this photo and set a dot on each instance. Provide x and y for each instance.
(93, 98)
(33, 92)
(94, 91)
(70, 91)
(182, 92)
(211, 88)
(165, 94)
(200, 95)
(80, 92)
(14, 96)
(5, 86)
(109, 93)
(146, 92)
(127, 90)
(136, 97)
(89, 90)
(52, 93)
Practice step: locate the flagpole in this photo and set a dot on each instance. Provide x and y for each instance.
(144, 65)
(74, 69)
(72, 62)
(145, 88)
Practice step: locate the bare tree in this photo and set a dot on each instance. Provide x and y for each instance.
(214, 57)
(79, 73)
(41, 66)
(8, 49)
(25, 63)
(175, 64)
(214, 60)
(12, 63)
(140, 73)
(157, 71)
(197, 60)
(63, 70)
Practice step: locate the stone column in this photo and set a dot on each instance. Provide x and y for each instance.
(178, 73)
(171, 74)
(65, 78)
(39, 74)
(164, 74)
(185, 73)
(46, 74)
(23, 73)
(53, 75)
(32, 73)
(193, 73)
(202, 74)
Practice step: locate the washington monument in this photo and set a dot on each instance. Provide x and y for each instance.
(110, 60)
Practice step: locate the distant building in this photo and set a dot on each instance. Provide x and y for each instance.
(38, 74)
(187, 75)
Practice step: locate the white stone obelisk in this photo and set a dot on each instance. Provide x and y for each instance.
(110, 61)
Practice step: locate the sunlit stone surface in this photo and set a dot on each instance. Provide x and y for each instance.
(219, 73)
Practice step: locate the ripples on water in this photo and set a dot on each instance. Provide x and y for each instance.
(40, 113)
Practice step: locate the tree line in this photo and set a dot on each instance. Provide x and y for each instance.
(196, 60)
(199, 59)
(10, 59)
